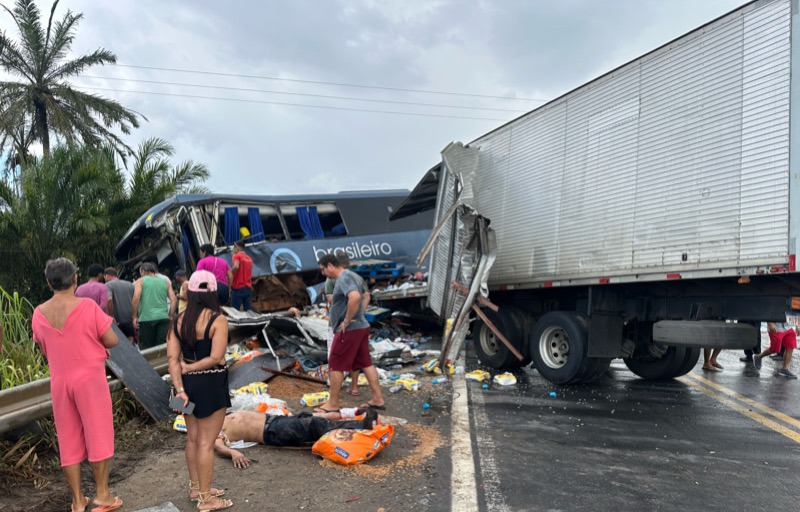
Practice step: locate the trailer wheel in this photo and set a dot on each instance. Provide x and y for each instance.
(689, 362)
(490, 350)
(558, 348)
(664, 367)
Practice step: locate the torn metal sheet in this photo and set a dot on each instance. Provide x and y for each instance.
(462, 247)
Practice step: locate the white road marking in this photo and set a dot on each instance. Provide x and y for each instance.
(490, 476)
(463, 486)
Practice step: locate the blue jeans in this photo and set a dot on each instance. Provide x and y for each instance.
(241, 296)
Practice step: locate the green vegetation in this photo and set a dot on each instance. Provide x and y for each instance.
(41, 100)
(20, 360)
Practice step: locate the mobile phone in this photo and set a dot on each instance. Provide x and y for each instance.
(177, 404)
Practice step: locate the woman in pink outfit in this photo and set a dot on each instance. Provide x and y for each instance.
(74, 334)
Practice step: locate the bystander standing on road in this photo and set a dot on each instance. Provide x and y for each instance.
(149, 307)
(350, 347)
(344, 261)
(781, 336)
(120, 299)
(710, 363)
(219, 268)
(183, 289)
(240, 276)
(94, 288)
(74, 334)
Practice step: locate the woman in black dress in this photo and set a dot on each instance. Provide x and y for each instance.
(196, 350)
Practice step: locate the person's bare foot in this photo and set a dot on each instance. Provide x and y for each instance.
(80, 508)
(353, 391)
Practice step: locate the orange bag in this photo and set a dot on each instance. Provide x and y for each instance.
(348, 447)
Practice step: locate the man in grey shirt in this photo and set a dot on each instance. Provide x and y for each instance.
(350, 347)
(120, 295)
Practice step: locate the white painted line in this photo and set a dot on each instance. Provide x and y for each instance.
(490, 476)
(463, 486)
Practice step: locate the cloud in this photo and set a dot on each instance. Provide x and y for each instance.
(514, 49)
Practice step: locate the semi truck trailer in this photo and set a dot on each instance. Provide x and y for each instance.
(645, 215)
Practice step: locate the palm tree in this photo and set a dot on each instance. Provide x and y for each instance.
(42, 101)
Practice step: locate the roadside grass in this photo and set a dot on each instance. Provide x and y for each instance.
(20, 360)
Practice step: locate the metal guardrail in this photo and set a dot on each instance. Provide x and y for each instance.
(23, 404)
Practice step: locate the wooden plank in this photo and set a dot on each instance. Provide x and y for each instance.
(483, 300)
(129, 366)
(497, 332)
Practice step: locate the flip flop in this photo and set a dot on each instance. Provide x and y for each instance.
(108, 508)
(322, 409)
(717, 365)
(353, 392)
(710, 369)
(376, 407)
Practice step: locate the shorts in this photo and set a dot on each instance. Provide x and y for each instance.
(350, 351)
(127, 329)
(780, 340)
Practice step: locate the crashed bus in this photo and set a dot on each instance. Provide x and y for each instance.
(284, 235)
(645, 215)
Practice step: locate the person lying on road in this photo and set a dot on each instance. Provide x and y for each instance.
(301, 430)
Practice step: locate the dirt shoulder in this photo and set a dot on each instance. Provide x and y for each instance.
(411, 473)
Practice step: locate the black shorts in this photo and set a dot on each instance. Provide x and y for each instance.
(127, 329)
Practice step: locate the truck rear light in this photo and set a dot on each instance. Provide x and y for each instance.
(548, 284)
(792, 262)
(604, 280)
(795, 302)
(673, 276)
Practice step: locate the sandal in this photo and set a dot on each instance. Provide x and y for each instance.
(205, 497)
(195, 486)
(108, 508)
(353, 392)
(710, 369)
(717, 365)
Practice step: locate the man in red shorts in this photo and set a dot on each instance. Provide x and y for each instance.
(350, 347)
(784, 336)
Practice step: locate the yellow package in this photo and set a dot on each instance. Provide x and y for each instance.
(478, 375)
(234, 355)
(431, 366)
(254, 388)
(505, 379)
(315, 399)
(408, 384)
(362, 379)
(179, 424)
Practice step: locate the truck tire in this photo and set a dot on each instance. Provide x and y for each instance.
(705, 334)
(689, 362)
(558, 347)
(490, 350)
(664, 367)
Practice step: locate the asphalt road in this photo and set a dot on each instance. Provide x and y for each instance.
(707, 441)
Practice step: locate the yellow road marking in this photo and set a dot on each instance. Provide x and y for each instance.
(749, 401)
(763, 420)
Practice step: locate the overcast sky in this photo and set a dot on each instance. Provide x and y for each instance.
(483, 54)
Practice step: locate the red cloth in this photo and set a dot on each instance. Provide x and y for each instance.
(350, 351)
(243, 276)
(81, 399)
(785, 339)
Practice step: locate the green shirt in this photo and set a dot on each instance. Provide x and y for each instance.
(153, 303)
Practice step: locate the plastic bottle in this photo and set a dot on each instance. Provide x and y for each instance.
(439, 380)
(426, 409)
(395, 389)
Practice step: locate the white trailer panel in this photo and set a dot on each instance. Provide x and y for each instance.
(677, 161)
